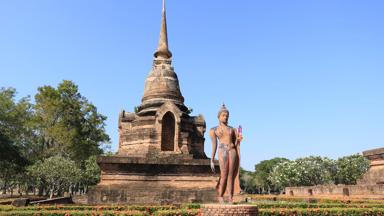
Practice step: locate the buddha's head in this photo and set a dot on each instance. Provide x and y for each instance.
(223, 114)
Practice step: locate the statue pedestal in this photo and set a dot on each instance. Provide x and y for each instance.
(226, 209)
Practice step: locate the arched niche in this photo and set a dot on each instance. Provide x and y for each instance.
(172, 111)
(168, 126)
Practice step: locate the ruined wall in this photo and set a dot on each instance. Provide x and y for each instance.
(337, 190)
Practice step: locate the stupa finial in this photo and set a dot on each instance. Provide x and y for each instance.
(162, 49)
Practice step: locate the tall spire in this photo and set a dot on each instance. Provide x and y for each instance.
(162, 49)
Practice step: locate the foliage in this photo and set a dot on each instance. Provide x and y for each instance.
(68, 124)
(15, 119)
(303, 172)
(91, 174)
(350, 168)
(321, 212)
(62, 124)
(283, 205)
(15, 136)
(276, 174)
(267, 209)
(330, 199)
(74, 213)
(312, 170)
(262, 173)
(57, 173)
(188, 210)
(181, 212)
(301, 204)
(247, 181)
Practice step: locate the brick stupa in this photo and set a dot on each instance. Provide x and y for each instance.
(161, 157)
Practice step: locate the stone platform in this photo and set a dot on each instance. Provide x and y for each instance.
(168, 180)
(228, 210)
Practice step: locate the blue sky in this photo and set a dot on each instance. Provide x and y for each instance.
(302, 77)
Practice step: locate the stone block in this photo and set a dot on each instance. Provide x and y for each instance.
(20, 202)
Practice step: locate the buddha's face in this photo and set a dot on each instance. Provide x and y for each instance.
(223, 117)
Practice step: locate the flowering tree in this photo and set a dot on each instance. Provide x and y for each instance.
(56, 173)
(350, 168)
(303, 172)
(262, 173)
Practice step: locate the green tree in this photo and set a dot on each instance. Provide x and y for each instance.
(350, 168)
(62, 123)
(247, 181)
(90, 174)
(57, 174)
(262, 173)
(15, 136)
(11, 164)
(16, 120)
(306, 171)
(68, 124)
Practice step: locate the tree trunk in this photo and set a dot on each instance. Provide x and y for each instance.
(5, 187)
(41, 189)
(51, 193)
(59, 192)
(19, 190)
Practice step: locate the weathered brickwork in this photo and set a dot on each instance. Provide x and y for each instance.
(154, 180)
(229, 210)
(375, 174)
(336, 190)
(139, 133)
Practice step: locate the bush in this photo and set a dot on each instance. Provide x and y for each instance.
(179, 212)
(321, 212)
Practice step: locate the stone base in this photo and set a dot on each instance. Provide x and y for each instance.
(168, 180)
(126, 194)
(227, 210)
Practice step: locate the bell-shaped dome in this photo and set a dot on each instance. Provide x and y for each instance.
(162, 85)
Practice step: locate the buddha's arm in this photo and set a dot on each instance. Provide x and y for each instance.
(238, 137)
(214, 143)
